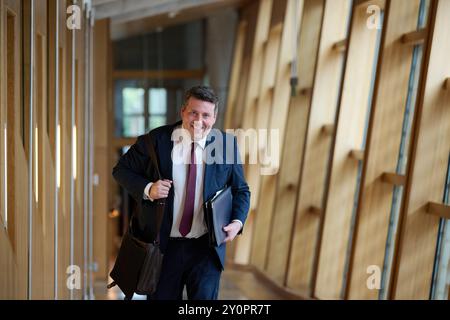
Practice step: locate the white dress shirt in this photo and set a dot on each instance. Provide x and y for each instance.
(181, 155)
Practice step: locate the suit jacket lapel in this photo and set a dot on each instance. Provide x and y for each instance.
(209, 171)
(166, 152)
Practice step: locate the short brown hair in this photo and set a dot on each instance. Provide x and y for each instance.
(203, 93)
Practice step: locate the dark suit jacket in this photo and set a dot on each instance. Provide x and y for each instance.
(134, 171)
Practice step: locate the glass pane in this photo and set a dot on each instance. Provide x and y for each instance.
(133, 126)
(157, 121)
(403, 155)
(441, 273)
(133, 101)
(157, 100)
(423, 16)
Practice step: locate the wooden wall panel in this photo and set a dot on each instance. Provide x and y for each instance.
(261, 121)
(276, 121)
(428, 166)
(343, 175)
(236, 88)
(101, 134)
(317, 146)
(261, 34)
(13, 241)
(79, 199)
(236, 73)
(251, 13)
(287, 189)
(43, 255)
(253, 83)
(383, 146)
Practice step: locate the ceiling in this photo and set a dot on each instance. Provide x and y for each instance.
(133, 17)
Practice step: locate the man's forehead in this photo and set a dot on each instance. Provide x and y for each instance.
(200, 105)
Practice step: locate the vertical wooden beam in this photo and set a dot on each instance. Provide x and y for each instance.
(267, 176)
(236, 73)
(390, 98)
(101, 140)
(419, 231)
(352, 115)
(239, 250)
(286, 193)
(13, 241)
(263, 107)
(316, 152)
(261, 35)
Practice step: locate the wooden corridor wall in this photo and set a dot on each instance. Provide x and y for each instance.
(46, 128)
(364, 144)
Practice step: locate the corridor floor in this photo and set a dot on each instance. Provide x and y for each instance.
(235, 285)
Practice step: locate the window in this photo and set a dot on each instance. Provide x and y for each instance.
(157, 107)
(140, 107)
(133, 112)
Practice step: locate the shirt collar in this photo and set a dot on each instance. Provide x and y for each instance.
(201, 142)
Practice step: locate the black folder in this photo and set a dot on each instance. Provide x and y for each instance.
(217, 215)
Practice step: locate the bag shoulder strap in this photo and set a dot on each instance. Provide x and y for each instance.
(154, 160)
(152, 153)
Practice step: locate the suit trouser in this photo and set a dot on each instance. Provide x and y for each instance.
(191, 263)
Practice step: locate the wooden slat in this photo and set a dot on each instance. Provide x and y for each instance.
(256, 62)
(235, 74)
(306, 91)
(357, 154)
(415, 260)
(283, 214)
(315, 210)
(316, 152)
(356, 87)
(393, 178)
(253, 83)
(252, 13)
(340, 46)
(390, 92)
(414, 37)
(309, 16)
(262, 114)
(102, 103)
(269, 86)
(13, 241)
(439, 209)
(328, 129)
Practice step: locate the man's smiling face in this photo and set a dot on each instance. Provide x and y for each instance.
(198, 117)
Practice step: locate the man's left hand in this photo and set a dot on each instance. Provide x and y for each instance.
(232, 230)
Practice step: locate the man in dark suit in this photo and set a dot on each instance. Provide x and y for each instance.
(195, 161)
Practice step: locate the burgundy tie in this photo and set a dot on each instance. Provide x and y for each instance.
(188, 212)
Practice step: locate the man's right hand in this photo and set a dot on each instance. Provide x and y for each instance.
(160, 189)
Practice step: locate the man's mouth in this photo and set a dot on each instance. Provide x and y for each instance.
(197, 127)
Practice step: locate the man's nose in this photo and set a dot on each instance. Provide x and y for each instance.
(199, 118)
